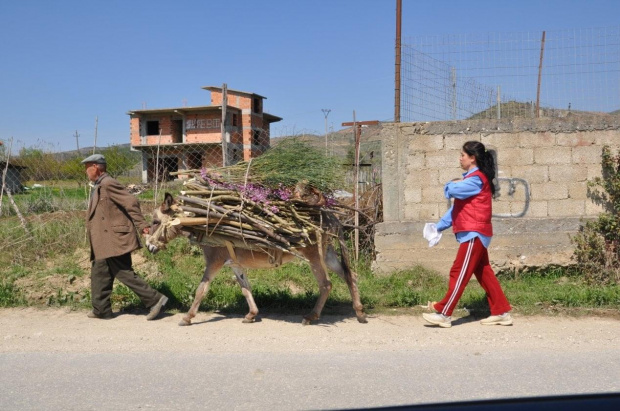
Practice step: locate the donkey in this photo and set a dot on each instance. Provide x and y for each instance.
(320, 255)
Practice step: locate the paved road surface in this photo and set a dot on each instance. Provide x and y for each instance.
(55, 359)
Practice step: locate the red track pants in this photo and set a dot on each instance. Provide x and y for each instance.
(473, 258)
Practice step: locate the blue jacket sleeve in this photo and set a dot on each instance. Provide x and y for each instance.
(446, 220)
(464, 188)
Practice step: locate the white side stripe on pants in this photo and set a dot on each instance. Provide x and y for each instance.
(459, 280)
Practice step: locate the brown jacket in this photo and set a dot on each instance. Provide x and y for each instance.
(112, 219)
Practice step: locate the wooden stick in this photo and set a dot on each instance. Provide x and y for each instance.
(19, 214)
(187, 221)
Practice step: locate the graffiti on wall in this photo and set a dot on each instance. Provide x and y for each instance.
(513, 184)
(201, 124)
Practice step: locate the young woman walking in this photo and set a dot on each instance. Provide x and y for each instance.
(470, 218)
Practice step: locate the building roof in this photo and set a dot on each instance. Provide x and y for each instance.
(184, 145)
(178, 110)
(188, 110)
(215, 88)
(271, 118)
(12, 165)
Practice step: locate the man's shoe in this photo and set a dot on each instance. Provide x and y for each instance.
(504, 319)
(154, 311)
(92, 314)
(438, 319)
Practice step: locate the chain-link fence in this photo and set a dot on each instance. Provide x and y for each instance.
(504, 75)
(36, 179)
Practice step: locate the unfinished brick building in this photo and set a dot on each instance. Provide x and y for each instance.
(186, 138)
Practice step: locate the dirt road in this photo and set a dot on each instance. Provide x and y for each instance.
(52, 330)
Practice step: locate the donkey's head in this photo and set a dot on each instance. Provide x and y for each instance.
(163, 229)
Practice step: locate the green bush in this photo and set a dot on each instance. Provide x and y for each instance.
(597, 245)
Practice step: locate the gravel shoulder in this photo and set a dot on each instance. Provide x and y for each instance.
(62, 330)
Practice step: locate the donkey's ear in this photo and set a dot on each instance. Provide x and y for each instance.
(168, 201)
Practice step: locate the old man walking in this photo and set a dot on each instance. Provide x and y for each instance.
(112, 219)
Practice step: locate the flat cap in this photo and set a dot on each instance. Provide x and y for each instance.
(95, 158)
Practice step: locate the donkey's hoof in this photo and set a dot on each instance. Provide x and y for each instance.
(307, 320)
(248, 320)
(185, 322)
(362, 319)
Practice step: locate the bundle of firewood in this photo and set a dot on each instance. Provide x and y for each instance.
(217, 213)
(280, 199)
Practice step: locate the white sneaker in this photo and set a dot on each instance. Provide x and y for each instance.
(504, 319)
(438, 319)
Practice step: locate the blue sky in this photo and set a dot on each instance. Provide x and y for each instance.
(65, 63)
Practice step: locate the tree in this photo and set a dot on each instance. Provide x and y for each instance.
(120, 160)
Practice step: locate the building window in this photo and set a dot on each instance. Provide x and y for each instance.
(234, 120)
(257, 106)
(256, 137)
(152, 128)
(236, 156)
(194, 160)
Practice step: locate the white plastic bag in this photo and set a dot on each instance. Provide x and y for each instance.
(431, 234)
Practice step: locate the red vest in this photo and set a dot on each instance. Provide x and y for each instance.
(474, 213)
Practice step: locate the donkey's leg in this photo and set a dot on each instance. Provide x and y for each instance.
(325, 286)
(334, 263)
(246, 290)
(212, 265)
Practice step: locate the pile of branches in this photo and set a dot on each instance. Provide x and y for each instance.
(287, 164)
(265, 209)
(370, 212)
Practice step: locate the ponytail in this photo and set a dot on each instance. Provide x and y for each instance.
(484, 160)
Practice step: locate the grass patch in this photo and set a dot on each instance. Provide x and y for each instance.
(10, 296)
(51, 267)
(48, 198)
(559, 290)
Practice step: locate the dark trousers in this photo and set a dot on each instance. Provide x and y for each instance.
(102, 275)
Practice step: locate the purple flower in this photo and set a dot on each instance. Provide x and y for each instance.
(255, 192)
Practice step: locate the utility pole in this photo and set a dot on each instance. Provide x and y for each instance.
(223, 125)
(77, 142)
(357, 130)
(399, 12)
(326, 112)
(96, 125)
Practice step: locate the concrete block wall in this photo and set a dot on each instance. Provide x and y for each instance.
(543, 168)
